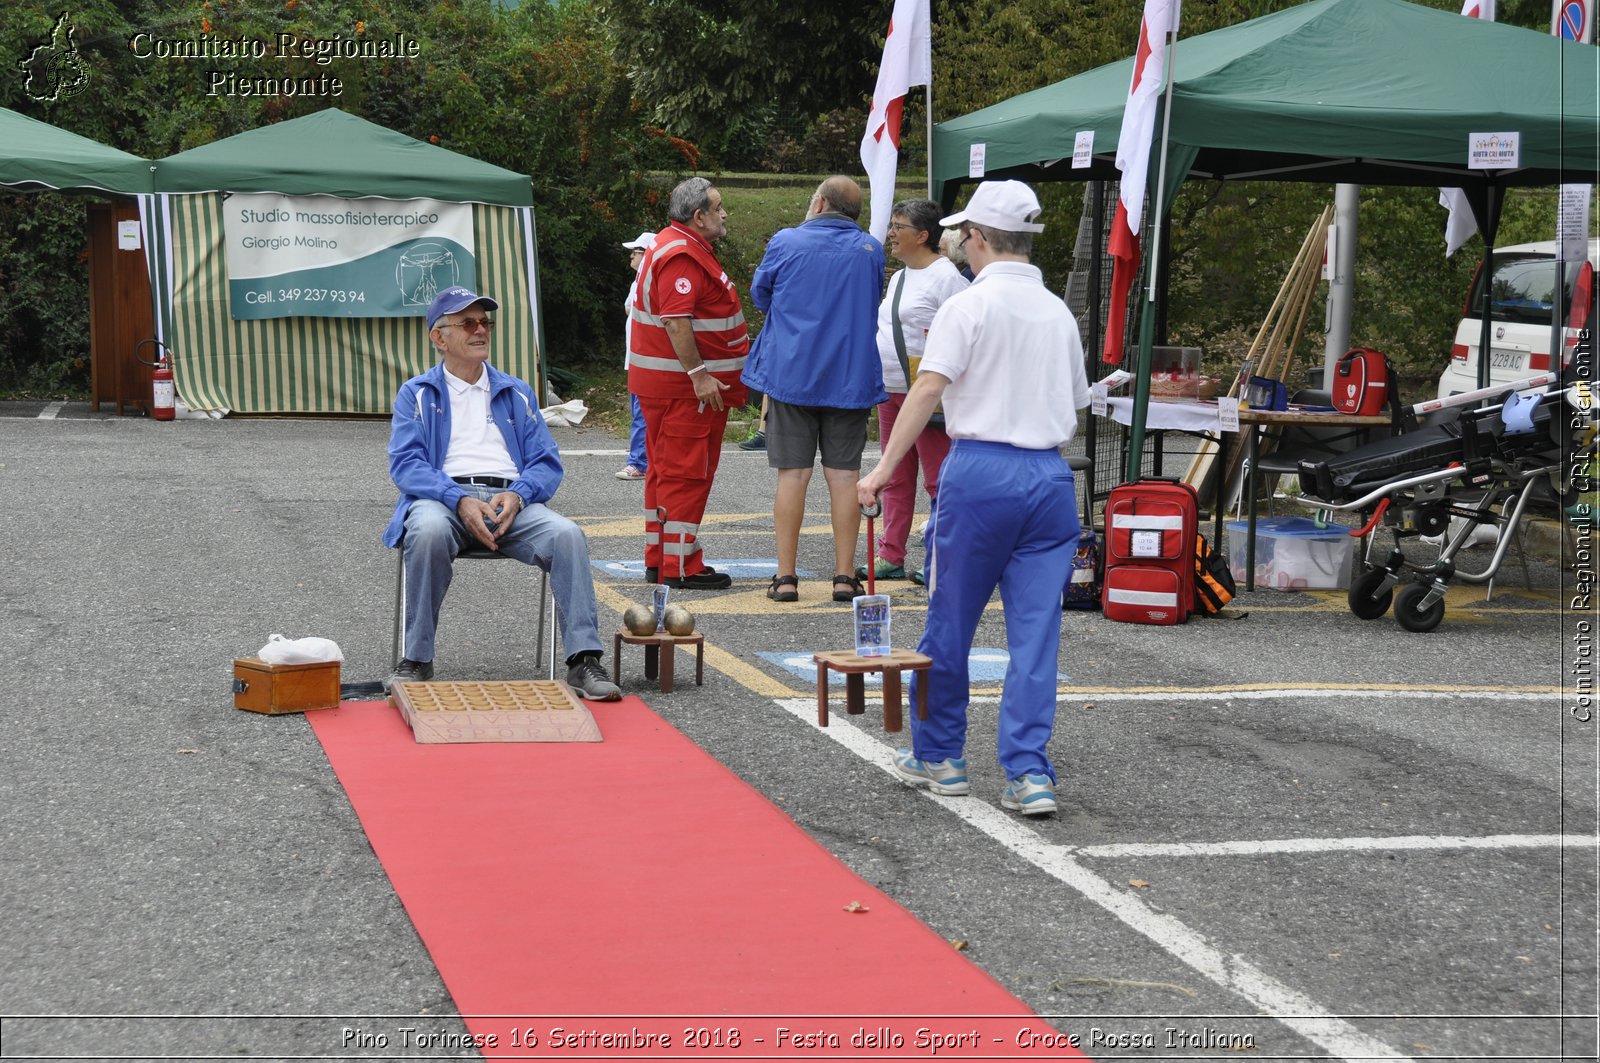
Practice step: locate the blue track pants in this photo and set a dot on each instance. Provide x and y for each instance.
(1004, 517)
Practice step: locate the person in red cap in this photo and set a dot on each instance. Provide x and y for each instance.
(687, 347)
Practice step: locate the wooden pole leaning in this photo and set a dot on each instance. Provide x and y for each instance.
(1269, 355)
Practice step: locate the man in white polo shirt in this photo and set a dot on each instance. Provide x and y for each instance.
(475, 463)
(1005, 359)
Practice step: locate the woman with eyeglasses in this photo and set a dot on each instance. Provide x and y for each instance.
(914, 294)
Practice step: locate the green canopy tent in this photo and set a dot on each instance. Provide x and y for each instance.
(1354, 91)
(36, 157)
(335, 364)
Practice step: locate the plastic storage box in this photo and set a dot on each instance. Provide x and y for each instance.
(1293, 554)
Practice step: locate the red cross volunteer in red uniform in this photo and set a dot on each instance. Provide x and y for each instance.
(687, 347)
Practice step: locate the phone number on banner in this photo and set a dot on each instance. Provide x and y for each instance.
(304, 295)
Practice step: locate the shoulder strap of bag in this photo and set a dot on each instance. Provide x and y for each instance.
(899, 332)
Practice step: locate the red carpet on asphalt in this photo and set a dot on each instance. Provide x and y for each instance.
(633, 898)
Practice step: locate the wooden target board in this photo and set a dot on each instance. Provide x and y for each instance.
(518, 711)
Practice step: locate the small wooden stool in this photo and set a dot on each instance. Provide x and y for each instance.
(655, 660)
(855, 667)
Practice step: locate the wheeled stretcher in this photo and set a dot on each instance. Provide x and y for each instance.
(1457, 470)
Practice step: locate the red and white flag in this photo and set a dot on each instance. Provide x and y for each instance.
(1133, 159)
(907, 61)
(1460, 225)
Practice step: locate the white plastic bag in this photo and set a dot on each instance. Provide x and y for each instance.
(313, 650)
(568, 414)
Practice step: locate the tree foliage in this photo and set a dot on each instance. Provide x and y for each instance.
(716, 71)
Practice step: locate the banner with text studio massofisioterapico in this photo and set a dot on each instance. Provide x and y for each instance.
(327, 256)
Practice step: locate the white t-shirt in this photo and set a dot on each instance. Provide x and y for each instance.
(1015, 361)
(926, 289)
(476, 446)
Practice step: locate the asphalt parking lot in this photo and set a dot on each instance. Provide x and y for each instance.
(1296, 835)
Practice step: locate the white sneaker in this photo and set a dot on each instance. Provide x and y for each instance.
(947, 777)
(628, 472)
(1032, 795)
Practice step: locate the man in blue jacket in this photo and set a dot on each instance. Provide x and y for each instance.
(817, 362)
(475, 463)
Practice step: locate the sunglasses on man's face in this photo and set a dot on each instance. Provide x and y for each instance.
(471, 324)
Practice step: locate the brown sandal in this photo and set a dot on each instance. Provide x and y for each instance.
(784, 589)
(846, 595)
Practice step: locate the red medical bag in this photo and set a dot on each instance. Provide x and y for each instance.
(1362, 381)
(1149, 550)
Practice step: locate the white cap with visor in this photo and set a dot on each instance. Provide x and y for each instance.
(1010, 206)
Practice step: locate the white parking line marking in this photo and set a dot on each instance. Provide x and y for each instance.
(50, 411)
(1276, 693)
(1338, 845)
(1300, 1013)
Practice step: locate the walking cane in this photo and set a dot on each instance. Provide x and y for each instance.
(872, 562)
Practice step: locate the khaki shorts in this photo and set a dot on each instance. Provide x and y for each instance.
(796, 433)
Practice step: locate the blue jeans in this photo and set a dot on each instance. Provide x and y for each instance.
(636, 455)
(538, 536)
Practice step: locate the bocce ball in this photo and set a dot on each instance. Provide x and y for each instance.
(639, 620)
(678, 620)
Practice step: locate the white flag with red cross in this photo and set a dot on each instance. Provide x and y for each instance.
(907, 61)
(1150, 57)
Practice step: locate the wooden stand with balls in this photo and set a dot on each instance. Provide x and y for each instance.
(677, 628)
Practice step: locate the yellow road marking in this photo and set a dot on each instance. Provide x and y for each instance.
(632, 527)
(717, 658)
(754, 602)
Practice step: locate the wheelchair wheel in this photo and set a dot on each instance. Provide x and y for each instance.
(1410, 614)
(1366, 601)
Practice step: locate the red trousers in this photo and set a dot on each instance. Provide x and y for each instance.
(900, 493)
(684, 446)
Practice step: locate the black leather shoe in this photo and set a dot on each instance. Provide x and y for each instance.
(409, 671)
(653, 575)
(707, 579)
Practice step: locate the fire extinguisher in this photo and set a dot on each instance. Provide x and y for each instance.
(164, 392)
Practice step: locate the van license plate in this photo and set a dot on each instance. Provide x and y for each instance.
(1505, 359)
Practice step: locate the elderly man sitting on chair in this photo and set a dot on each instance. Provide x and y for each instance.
(475, 465)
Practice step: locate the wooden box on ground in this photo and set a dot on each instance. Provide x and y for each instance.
(528, 710)
(278, 688)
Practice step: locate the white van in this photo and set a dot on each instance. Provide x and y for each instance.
(1519, 333)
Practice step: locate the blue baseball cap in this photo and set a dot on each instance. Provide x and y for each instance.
(452, 299)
